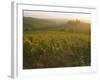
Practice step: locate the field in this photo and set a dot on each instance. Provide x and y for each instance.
(50, 47)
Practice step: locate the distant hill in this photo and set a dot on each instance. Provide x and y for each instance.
(35, 24)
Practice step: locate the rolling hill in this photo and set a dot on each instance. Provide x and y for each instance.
(35, 24)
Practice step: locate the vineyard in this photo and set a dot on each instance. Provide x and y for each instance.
(55, 49)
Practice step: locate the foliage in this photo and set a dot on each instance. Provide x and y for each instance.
(55, 49)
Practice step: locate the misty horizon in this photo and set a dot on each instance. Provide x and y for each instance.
(58, 16)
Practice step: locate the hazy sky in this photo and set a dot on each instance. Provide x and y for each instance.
(57, 15)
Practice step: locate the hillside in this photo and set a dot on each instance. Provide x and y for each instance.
(52, 43)
(34, 24)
